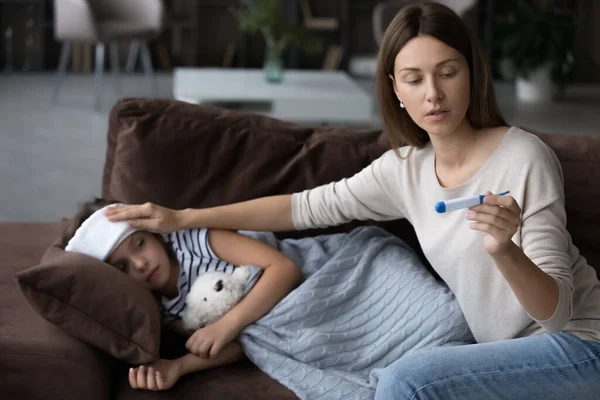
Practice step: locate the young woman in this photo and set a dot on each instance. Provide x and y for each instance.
(529, 297)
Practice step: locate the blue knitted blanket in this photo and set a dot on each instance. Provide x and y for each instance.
(366, 301)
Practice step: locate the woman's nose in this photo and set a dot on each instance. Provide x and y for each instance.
(434, 92)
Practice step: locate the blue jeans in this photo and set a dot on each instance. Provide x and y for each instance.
(545, 367)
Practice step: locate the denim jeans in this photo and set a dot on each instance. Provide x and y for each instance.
(545, 367)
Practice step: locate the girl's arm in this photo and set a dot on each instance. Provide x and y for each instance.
(280, 275)
(163, 374)
(232, 352)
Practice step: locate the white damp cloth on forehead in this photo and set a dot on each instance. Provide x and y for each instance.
(97, 236)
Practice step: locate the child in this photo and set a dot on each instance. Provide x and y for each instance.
(168, 265)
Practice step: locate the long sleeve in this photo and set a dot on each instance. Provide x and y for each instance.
(544, 237)
(369, 194)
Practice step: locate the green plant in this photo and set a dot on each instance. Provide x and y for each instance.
(538, 33)
(265, 16)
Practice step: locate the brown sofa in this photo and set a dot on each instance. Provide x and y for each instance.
(181, 155)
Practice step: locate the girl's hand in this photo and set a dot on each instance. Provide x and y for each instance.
(146, 216)
(160, 375)
(499, 217)
(208, 341)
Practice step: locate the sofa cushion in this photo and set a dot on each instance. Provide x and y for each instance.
(37, 359)
(580, 160)
(181, 155)
(95, 303)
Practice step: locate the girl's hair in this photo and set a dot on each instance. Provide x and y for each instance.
(440, 22)
(85, 211)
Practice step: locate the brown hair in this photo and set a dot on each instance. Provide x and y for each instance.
(440, 22)
(85, 211)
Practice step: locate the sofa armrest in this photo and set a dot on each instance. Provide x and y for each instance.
(37, 359)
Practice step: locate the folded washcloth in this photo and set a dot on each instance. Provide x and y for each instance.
(97, 237)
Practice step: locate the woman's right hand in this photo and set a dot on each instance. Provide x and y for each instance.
(146, 216)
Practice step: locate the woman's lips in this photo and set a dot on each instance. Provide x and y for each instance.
(438, 116)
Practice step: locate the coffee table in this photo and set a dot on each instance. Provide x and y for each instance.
(304, 96)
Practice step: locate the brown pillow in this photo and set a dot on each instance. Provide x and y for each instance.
(95, 303)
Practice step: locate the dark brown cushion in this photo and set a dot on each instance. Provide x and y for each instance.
(95, 303)
(181, 155)
(38, 360)
(580, 160)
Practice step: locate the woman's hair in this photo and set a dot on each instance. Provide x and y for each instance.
(85, 211)
(440, 22)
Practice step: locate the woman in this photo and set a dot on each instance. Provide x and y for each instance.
(532, 302)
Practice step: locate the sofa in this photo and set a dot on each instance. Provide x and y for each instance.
(181, 155)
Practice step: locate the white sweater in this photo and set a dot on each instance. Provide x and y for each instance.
(391, 188)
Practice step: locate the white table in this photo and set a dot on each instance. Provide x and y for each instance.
(304, 96)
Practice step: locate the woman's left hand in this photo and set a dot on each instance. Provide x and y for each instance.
(208, 341)
(499, 217)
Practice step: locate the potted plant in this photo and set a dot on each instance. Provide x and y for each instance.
(265, 16)
(536, 38)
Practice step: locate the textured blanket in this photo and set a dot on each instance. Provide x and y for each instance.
(366, 301)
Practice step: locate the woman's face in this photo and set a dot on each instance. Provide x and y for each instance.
(144, 258)
(432, 79)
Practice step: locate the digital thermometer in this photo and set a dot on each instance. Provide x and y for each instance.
(462, 202)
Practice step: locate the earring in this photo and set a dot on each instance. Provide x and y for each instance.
(401, 104)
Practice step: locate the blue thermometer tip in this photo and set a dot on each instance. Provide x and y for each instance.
(440, 207)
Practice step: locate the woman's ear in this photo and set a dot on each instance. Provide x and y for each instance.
(394, 85)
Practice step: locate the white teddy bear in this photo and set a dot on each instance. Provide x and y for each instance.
(212, 295)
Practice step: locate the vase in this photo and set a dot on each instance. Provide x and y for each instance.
(538, 88)
(273, 65)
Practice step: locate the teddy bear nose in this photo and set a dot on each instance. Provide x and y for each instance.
(219, 286)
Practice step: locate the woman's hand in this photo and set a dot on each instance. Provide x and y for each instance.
(208, 341)
(499, 217)
(146, 216)
(160, 375)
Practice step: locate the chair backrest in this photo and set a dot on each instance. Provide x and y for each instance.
(74, 20)
(150, 13)
(78, 19)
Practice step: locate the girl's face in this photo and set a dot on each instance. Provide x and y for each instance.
(433, 81)
(144, 258)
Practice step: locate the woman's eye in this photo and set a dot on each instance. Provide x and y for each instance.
(448, 74)
(413, 81)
